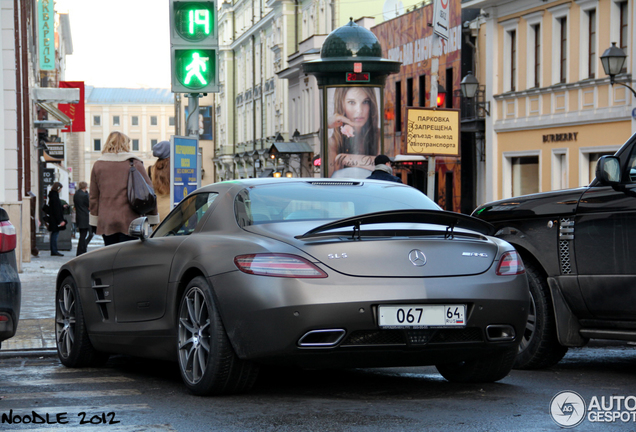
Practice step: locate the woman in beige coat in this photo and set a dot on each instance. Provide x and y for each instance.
(110, 211)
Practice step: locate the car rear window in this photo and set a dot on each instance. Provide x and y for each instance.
(289, 202)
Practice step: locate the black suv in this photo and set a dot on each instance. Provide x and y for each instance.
(577, 245)
(10, 287)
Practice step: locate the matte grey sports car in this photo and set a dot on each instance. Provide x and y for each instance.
(309, 272)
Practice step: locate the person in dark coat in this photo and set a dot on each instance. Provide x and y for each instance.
(383, 170)
(81, 202)
(57, 222)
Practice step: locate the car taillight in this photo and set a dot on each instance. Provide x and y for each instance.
(279, 265)
(8, 238)
(510, 264)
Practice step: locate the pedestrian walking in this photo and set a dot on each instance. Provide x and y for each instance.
(57, 222)
(160, 175)
(81, 202)
(110, 210)
(383, 170)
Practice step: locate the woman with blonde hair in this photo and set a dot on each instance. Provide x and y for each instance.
(160, 175)
(110, 211)
(355, 140)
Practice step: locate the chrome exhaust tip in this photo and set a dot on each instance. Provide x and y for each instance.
(498, 333)
(322, 338)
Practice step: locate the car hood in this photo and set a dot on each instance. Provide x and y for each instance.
(394, 249)
(555, 203)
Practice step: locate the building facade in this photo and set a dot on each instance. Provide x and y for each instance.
(553, 112)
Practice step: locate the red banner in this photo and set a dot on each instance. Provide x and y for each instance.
(74, 111)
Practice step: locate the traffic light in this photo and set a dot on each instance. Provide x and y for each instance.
(194, 45)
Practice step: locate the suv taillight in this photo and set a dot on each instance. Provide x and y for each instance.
(8, 238)
(510, 264)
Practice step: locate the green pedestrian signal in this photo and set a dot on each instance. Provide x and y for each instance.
(194, 46)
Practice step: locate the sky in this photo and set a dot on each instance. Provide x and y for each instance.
(118, 43)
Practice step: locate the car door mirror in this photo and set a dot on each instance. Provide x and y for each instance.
(139, 228)
(608, 170)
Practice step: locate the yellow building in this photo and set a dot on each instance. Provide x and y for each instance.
(553, 112)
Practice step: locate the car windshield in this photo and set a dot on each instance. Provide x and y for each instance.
(323, 201)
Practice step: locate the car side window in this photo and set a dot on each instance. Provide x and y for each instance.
(631, 167)
(186, 216)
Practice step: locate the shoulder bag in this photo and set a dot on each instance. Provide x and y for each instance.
(141, 195)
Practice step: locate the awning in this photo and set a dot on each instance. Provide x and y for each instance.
(56, 95)
(55, 112)
(290, 148)
(268, 172)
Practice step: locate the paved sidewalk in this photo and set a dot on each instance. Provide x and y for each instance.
(36, 328)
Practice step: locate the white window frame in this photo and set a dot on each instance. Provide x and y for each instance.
(586, 6)
(116, 120)
(97, 120)
(506, 170)
(533, 20)
(132, 120)
(558, 12)
(560, 173)
(156, 118)
(508, 27)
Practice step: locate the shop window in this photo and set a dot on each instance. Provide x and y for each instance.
(525, 175)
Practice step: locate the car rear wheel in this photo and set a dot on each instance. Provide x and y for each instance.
(71, 336)
(207, 360)
(489, 369)
(540, 347)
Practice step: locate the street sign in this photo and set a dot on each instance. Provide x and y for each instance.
(185, 167)
(441, 18)
(194, 46)
(432, 131)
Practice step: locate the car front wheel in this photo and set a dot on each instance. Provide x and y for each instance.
(489, 369)
(74, 348)
(207, 360)
(540, 347)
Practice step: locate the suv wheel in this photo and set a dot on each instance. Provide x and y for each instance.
(539, 347)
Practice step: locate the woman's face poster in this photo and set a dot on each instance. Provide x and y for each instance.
(353, 130)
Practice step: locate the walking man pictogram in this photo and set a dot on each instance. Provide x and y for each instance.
(195, 68)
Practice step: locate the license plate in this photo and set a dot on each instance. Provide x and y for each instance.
(422, 316)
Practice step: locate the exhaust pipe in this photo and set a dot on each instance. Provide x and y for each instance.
(498, 333)
(322, 338)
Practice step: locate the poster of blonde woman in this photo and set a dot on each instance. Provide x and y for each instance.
(353, 130)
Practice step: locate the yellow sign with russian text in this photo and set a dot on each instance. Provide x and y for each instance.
(432, 131)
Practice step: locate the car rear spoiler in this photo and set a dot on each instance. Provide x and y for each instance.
(437, 217)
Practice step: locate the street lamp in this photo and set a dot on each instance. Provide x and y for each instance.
(470, 89)
(441, 95)
(613, 60)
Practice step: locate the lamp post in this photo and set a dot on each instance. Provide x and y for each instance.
(470, 89)
(613, 60)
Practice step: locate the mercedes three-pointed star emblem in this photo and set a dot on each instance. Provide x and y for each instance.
(417, 257)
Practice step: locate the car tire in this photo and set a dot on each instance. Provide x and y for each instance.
(540, 347)
(482, 370)
(74, 347)
(207, 361)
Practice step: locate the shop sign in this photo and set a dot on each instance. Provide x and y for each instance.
(560, 137)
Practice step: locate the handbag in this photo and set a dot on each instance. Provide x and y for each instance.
(141, 195)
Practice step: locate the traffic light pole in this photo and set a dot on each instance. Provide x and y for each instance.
(192, 121)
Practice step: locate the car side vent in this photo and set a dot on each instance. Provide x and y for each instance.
(102, 292)
(566, 235)
(333, 183)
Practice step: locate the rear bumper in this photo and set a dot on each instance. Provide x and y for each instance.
(10, 296)
(266, 317)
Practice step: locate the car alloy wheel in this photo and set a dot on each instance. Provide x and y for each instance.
(194, 335)
(74, 347)
(65, 320)
(529, 331)
(207, 361)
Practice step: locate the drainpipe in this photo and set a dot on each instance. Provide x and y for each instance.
(26, 104)
(17, 9)
(253, 90)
